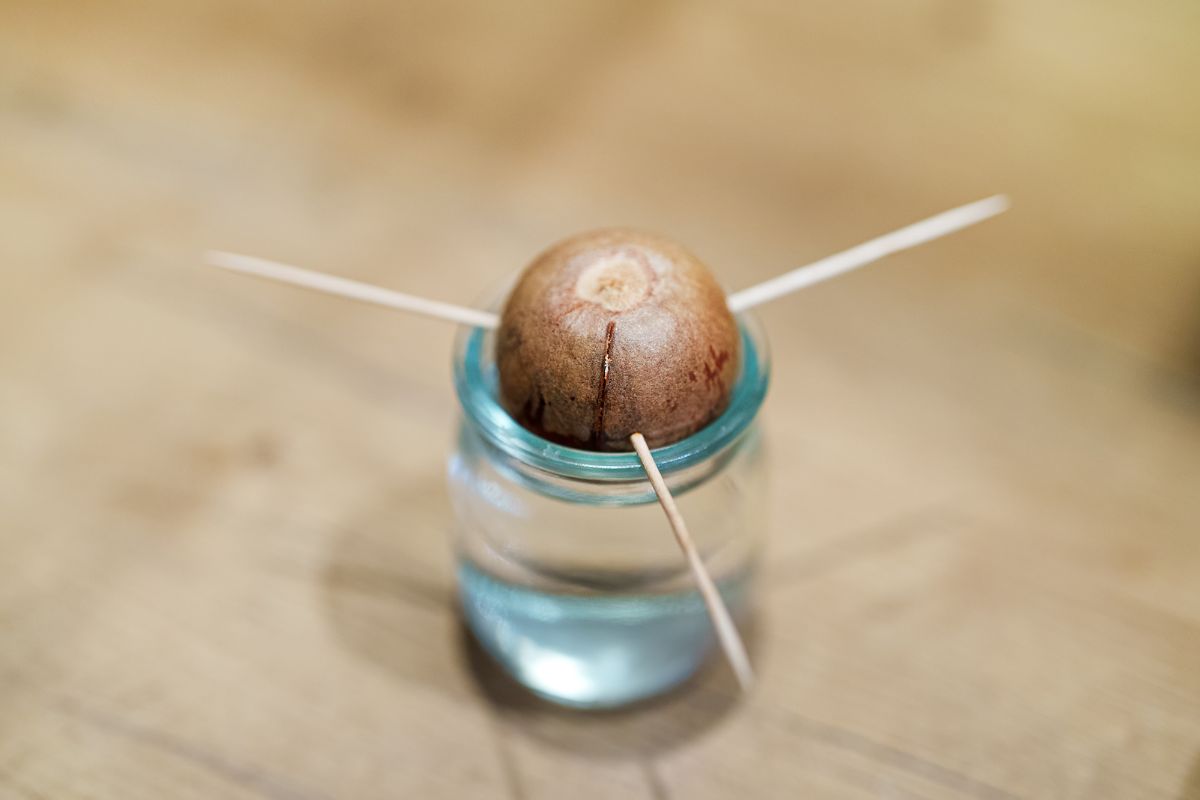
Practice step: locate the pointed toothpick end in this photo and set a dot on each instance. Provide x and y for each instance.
(727, 633)
(213, 258)
(354, 290)
(999, 202)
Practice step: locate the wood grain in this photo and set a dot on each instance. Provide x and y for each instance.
(223, 525)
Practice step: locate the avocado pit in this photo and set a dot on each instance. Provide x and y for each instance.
(616, 331)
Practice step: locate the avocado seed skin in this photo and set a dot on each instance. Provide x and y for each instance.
(613, 332)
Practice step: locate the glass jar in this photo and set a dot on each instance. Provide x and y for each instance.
(568, 573)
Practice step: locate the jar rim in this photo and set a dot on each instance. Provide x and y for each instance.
(476, 384)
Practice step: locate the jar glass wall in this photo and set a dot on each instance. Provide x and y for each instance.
(568, 573)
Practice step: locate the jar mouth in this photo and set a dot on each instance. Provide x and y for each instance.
(477, 385)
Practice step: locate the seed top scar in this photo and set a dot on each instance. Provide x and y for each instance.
(617, 280)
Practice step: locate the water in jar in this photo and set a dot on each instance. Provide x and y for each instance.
(586, 599)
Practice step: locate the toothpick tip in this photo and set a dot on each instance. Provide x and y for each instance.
(727, 633)
(868, 252)
(998, 203)
(223, 259)
(354, 290)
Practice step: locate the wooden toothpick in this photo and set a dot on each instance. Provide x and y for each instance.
(727, 633)
(867, 252)
(799, 278)
(343, 287)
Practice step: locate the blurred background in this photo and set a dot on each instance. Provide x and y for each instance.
(222, 524)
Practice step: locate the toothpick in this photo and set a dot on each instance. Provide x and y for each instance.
(918, 233)
(727, 634)
(330, 284)
(867, 252)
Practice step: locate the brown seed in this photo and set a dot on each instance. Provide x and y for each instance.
(612, 332)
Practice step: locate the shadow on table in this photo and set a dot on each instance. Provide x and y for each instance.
(388, 591)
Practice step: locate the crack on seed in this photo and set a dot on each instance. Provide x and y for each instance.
(602, 398)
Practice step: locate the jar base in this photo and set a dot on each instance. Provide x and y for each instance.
(590, 651)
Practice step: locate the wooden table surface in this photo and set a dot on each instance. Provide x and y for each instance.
(223, 538)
